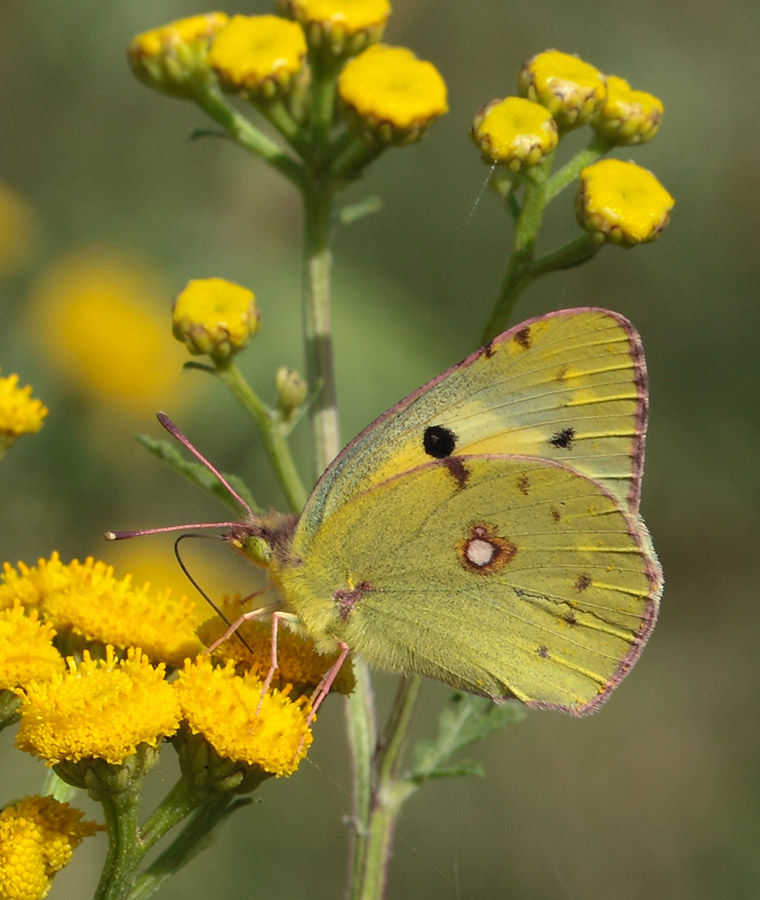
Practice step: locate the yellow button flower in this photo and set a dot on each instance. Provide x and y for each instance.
(26, 648)
(298, 662)
(515, 132)
(215, 317)
(99, 709)
(258, 55)
(393, 96)
(622, 203)
(19, 413)
(173, 58)
(38, 836)
(343, 26)
(628, 116)
(571, 89)
(267, 732)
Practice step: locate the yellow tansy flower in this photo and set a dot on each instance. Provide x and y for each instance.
(258, 55)
(515, 132)
(268, 732)
(99, 314)
(393, 96)
(19, 231)
(19, 413)
(298, 662)
(571, 89)
(173, 58)
(26, 648)
(99, 709)
(215, 317)
(622, 202)
(29, 585)
(343, 26)
(628, 116)
(38, 836)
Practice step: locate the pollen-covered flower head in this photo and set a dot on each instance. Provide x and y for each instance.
(173, 58)
(622, 203)
(342, 27)
(19, 412)
(392, 96)
(26, 648)
(298, 663)
(571, 89)
(38, 836)
(215, 317)
(87, 604)
(98, 709)
(267, 732)
(258, 55)
(627, 116)
(515, 132)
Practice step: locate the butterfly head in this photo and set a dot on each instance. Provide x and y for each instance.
(260, 539)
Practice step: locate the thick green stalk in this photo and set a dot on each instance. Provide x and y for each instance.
(125, 850)
(374, 836)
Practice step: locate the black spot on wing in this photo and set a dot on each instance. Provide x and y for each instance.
(523, 338)
(439, 441)
(563, 440)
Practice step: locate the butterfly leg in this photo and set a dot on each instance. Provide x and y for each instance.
(277, 617)
(323, 688)
(246, 617)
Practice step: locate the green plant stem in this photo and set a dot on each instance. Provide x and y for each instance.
(597, 148)
(248, 136)
(272, 432)
(318, 347)
(373, 837)
(518, 273)
(194, 837)
(176, 806)
(125, 850)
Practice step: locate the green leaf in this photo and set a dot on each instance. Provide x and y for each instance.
(197, 473)
(464, 721)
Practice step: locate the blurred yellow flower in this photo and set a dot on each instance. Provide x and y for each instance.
(394, 97)
(19, 413)
(268, 732)
(38, 836)
(99, 709)
(100, 314)
(19, 231)
(622, 203)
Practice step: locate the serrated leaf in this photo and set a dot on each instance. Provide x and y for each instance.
(464, 721)
(197, 473)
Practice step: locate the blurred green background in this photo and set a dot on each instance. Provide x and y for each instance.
(657, 796)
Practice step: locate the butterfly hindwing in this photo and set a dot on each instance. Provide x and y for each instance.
(501, 575)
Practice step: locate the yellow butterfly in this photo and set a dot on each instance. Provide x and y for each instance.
(485, 530)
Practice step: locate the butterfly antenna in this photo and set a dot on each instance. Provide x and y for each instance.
(195, 584)
(179, 436)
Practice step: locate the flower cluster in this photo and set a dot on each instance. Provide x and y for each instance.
(19, 413)
(617, 202)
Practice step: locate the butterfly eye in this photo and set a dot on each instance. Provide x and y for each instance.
(439, 442)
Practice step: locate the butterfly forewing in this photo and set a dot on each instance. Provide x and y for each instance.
(569, 387)
(505, 576)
